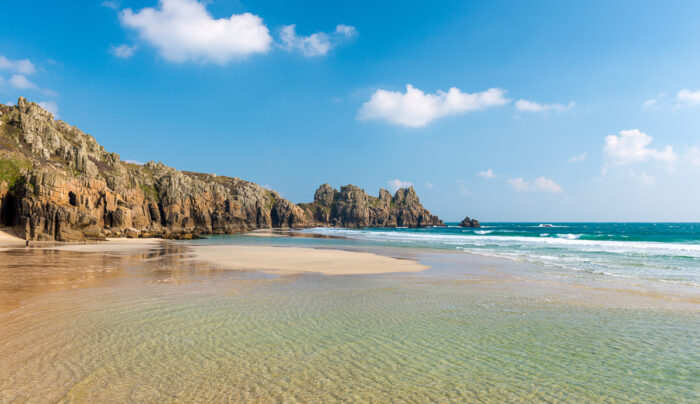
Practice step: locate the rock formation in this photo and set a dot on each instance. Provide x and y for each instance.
(58, 183)
(467, 222)
(352, 207)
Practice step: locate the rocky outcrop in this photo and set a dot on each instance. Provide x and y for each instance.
(58, 183)
(467, 222)
(352, 207)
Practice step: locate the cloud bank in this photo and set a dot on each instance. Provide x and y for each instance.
(414, 108)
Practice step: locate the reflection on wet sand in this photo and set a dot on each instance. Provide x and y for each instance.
(27, 273)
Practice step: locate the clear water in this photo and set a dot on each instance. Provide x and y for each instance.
(667, 252)
(156, 327)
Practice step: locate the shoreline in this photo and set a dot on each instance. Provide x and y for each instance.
(482, 271)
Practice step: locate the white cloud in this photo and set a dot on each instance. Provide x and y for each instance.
(430, 185)
(124, 51)
(183, 30)
(539, 184)
(50, 106)
(414, 108)
(23, 66)
(693, 156)
(631, 147)
(578, 158)
(21, 82)
(486, 174)
(394, 185)
(532, 106)
(134, 162)
(689, 97)
(267, 186)
(317, 44)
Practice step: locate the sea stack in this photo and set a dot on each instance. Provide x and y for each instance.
(467, 222)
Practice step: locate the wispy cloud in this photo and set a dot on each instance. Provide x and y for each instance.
(110, 4)
(486, 174)
(532, 106)
(50, 106)
(578, 158)
(654, 101)
(23, 66)
(123, 51)
(414, 108)
(21, 82)
(316, 44)
(396, 184)
(539, 184)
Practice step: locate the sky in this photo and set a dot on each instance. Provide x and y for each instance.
(499, 110)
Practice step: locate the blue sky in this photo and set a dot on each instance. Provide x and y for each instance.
(558, 110)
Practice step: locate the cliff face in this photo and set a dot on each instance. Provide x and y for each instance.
(57, 183)
(352, 207)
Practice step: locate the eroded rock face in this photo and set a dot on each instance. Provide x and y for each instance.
(352, 207)
(58, 183)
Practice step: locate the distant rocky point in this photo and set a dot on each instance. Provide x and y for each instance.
(58, 183)
(467, 222)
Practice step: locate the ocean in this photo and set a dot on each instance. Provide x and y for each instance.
(666, 252)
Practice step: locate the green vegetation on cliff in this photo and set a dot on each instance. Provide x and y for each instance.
(12, 167)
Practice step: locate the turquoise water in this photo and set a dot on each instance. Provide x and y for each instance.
(668, 252)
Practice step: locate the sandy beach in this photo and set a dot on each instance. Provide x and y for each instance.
(293, 260)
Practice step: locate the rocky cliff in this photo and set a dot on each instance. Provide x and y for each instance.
(58, 183)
